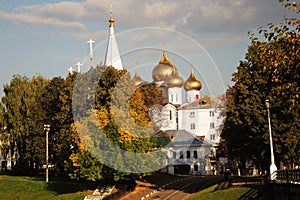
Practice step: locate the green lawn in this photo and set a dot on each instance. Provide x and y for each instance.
(19, 187)
(224, 192)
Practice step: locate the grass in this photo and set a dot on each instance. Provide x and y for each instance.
(223, 191)
(24, 187)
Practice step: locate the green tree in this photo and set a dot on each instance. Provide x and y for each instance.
(23, 119)
(57, 103)
(271, 71)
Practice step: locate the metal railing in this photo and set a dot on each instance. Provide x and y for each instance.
(288, 176)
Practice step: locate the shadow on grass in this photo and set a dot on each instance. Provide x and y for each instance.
(223, 185)
(255, 192)
(64, 185)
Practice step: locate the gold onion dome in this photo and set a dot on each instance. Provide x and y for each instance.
(192, 83)
(163, 69)
(174, 80)
(137, 80)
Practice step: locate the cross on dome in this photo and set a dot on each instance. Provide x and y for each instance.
(78, 64)
(71, 70)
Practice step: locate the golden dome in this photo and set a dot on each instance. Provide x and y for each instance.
(192, 83)
(174, 80)
(137, 80)
(163, 69)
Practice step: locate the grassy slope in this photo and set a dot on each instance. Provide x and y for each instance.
(216, 192)
(16, 187)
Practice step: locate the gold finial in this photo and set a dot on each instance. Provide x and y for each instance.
(192, 72)
(111, 10)
(136, 67)
(111, 19)
(164, 44)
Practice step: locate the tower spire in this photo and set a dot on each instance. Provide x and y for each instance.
(112, 57)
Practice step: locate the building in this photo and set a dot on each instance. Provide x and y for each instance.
(193, 123)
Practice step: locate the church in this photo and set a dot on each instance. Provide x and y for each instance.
(192, 123)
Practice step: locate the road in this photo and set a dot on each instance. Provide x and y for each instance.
(182, 189)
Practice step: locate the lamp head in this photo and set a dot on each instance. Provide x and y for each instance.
(46, 126)
(267, 103)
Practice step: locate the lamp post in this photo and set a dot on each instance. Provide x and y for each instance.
(273, 167)
(47, 129)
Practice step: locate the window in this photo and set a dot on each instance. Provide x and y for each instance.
(192, 114)
(195, 154)
(188, 154)
(170, 114)
(195, 168)
(197, 96)
(212, 137)
(211, 113)
(174, 154)
(212, 125)
(193, 126)
(181, 154)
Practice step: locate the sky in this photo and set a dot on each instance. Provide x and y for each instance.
(46, 37)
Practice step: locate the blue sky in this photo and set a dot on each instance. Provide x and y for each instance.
(47, 37)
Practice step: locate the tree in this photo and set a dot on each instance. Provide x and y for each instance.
(117, 126)
(57, 103)
(23, 119)
(271, 71)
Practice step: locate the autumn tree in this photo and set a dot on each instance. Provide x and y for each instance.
(117, 124)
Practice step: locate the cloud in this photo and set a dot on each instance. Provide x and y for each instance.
(28, 18)
(194, 17)
(68, 9)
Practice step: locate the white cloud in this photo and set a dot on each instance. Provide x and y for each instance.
(28, 18)
(202, 16)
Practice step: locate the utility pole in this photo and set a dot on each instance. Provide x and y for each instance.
(47, 129)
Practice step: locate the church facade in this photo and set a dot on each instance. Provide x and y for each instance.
(192, 123)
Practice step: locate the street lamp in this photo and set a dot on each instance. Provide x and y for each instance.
(47, 129)
(273, 167)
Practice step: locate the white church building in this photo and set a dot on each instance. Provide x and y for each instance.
(192, 123)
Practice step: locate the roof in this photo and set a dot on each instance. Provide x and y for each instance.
(195, 105)
(205, 102)
(181, 138)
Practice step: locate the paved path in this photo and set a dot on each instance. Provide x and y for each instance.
(182, 189)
